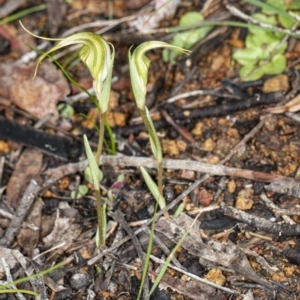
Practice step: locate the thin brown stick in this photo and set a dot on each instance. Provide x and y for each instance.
(172, 164)
(120, 219)
(285, 230)
(25, 204)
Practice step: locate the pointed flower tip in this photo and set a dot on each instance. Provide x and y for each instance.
(96, 53)
(139, 65)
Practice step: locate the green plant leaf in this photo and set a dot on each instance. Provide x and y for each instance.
(259, 31)
(186, 39)
(167, 263)
(88, 175)
(276, 66)
(257, 40)
(82, 190)
(274, 47)
(179, 210)
(265, 19)
(92, 164)
(65, 110)
(286, 22)
(247, 75)
(248, 56)
(153, 188)
(153, 137)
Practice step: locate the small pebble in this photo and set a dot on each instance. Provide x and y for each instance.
(113, 287)
(79, 280)
(244, 199)
(216, 276)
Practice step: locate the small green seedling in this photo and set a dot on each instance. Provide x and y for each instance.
(264, 50)
(82, 190)
(188, 38)
(260, 46)
(65, 110)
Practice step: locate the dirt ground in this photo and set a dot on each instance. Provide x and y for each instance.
(231, 159)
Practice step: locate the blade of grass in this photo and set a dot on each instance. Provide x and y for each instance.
(270, 7)
(25, 279)
(19, 291)
(223, 23)
(166, 264)
(148, 254)
(168, 260)
(22, 14)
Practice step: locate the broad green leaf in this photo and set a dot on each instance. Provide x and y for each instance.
(279, 4)
(186, 39)
(274, 47)
(247, 75)
(259, 31)
(293, 5)
(286, 22)
(190, 18)
(258, 40)
(265, 19)
(248, 56)
(276, 66)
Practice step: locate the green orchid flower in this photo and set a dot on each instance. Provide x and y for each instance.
(96, 53)
(139, 65)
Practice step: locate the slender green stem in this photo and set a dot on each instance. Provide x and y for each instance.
(102, 119)
(159, 176)
(157, 151)
(101, 237)
(147, 257)
(100, 207)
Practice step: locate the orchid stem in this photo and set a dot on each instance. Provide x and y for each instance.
(100, 207)
(102, 119)
(101, 237)
(158, 156)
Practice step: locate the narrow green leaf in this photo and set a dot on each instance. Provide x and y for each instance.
(166, 264)
(153, 188)
(92, 163)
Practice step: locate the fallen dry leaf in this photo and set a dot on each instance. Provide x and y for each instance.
(28, 166)
(192, 288)
(291, 106)
(65, 230)
(9, 258)
(225, 254)
(27, 237)
(39, 96)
